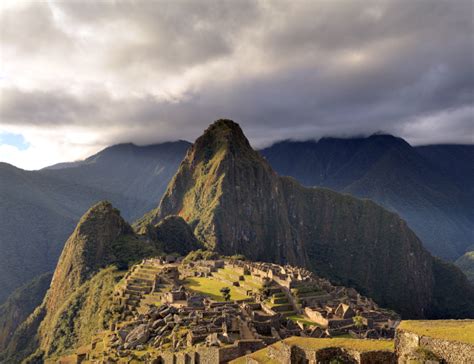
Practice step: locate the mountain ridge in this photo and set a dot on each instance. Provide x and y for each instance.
(435, 202)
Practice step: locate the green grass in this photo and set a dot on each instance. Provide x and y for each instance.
(261, 356)
(87, 311)
(230, 275)
(454, 330)
(211, 287)
(361, 345)
(303, 319)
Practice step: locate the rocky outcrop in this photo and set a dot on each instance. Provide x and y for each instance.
(236, 203)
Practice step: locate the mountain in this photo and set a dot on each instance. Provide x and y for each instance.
(138, 174)
(236, 204)
(100, 239)
(430, 187)
(39, 209)
(20, 305)
(37, 214)
(466, 264)
(79, 301)
(454, 160)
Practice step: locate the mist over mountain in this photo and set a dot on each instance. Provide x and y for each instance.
(39, 209)
(430, 186)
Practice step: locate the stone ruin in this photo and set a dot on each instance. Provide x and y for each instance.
(231, 329)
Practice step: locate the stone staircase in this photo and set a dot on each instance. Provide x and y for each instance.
(278, 302)
(140, 286)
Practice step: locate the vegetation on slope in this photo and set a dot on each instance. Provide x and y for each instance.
(87, 311)
(78, 294)
(466, 264)
(174, 235)
(452, 291)
(21, 303)
(430, 187)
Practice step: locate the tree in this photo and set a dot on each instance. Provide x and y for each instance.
(358, 322)
(225, 293)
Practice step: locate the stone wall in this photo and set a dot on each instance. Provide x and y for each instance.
(285, 354)
(452, 352)
(240, 348)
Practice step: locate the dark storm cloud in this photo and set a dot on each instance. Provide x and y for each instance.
(303, 69)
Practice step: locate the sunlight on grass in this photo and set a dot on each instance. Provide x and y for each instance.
(457, 330)
(211, 287)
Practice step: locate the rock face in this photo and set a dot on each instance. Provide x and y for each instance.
(174, 235)
(236, 203)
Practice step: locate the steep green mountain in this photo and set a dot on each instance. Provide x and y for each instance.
(430, 187)
(39, 209)
(466, 264)
(101, 239)
(78, 302)
(174, 235)
(236, 203)
(20, 305)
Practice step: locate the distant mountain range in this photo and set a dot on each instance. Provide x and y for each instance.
(39, 209)
(431, 187)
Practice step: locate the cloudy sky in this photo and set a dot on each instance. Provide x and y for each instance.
(78, 75)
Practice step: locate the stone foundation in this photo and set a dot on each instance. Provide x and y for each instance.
(451, 352)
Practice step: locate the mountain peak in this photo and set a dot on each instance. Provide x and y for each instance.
(88, 249)
(222, 135)
(236, 204)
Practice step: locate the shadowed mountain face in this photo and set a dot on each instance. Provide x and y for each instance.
(430, 187)
(20, 305)
(236, 203)
(139, 174)
(39, 209)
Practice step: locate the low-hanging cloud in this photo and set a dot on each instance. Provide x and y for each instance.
(153, 71)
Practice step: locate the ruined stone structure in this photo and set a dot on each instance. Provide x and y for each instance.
(216, 332)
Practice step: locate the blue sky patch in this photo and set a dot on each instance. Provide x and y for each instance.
(16, 140)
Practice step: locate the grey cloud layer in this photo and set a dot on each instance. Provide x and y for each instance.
(329, 68)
